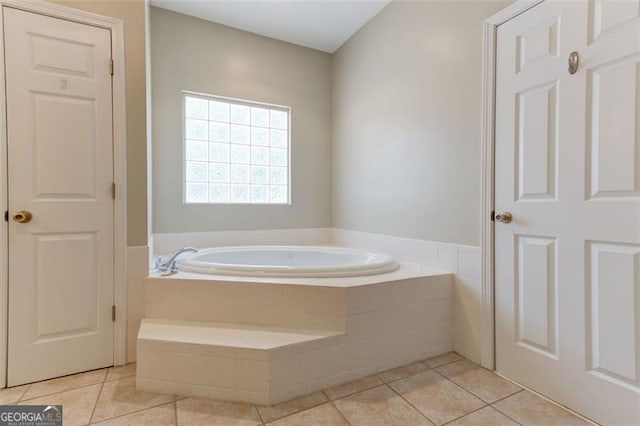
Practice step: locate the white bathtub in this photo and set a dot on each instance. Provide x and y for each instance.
(287, 261)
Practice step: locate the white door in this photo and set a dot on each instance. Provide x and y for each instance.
(60, 169)
(568, 169)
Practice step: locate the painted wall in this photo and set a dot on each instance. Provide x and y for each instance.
(407, 122)
(131, 12)
(191, 54)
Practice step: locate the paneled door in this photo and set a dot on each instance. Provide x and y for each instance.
(567, 271)
(60, 174)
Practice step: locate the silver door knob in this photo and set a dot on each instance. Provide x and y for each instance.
(574, 62)
(504, 217)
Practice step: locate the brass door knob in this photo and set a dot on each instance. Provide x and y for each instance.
(22, 216)
(504, 217)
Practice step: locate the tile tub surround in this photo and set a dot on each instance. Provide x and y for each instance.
(171, 242)
(362, 325)
(460, 260)
(108, 397)
(464, 262)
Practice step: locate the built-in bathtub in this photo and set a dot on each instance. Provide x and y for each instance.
(256, 327)
(288, 261)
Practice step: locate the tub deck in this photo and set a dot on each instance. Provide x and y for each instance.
(406, 270)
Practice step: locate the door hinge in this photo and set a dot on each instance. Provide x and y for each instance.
(113, 313)
(111, 66)
(493, 216)
(113, 190)
(6, 215)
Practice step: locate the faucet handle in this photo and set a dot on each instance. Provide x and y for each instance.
(157, 262)
(168, 269)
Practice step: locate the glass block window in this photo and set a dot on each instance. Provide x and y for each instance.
(235, 151)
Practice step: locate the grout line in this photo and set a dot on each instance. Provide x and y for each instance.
(406, 377)
(175, 408)
(411, 404)
(333, 404)
(29, 385)
(23, 393)
(502, 412)
(358, 391)
(132, 412)
(476, 395)
(465, 415)
(95, 404)
(506, 397)
(487, 404)
(55, 393)
(297, 411)
(459, 386)
(567, 409)
(106, 377)
(119, 378)
(442, 365)
(259, 415)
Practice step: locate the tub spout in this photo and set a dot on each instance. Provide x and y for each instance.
(168, 266)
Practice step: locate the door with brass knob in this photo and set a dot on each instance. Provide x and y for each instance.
(22, 216)
(504, 217)
(60, 174)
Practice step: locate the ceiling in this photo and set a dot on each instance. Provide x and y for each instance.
(320, 24)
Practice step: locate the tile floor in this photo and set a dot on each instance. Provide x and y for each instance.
(443, 390)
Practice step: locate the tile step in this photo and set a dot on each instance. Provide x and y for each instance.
(239, 336)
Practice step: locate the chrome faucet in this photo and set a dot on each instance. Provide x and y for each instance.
(168, 266)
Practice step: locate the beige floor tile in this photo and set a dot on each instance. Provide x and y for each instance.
(402, 372)
(271, 412)
(196, 411)
(436, 397)
(121, 372)
(120, 397)
(529, 409)
(65, 383)
(162, 415)
(77, 404)
(322, 415)
(379, 406)
(442, 359)
(346, 389)
(486, 416)
(12, 395)
(481, 382)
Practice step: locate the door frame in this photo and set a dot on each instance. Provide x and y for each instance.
(489, 45)
(116, 26)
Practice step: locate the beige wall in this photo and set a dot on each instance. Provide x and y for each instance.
(131, 12)
(195, 55)
(407, 122)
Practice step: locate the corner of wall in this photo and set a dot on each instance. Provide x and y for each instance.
(465, 263)
(138, 269)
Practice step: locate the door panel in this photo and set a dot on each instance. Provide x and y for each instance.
(60, 168)
(536, 115)
(536, 294)
(613, 143)
(61, 284)
(606, 15)
(612, 270)
(567, 166)
(59, 174)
